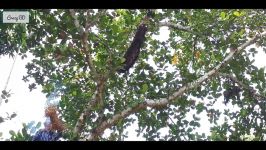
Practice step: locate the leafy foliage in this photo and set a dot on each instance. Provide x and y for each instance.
(161, 69)
(25, 134)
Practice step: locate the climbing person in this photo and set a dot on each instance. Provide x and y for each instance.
(53, 127)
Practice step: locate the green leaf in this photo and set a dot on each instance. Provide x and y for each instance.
(24, 132)
(236, 13)
(197, 124)
(217, 95)
(74, 93)
(12, 132)
(144, 88)
(242, 13)
(222, 15)
(210, 97)
(19, 136)
(261, 74)
(243, 112)
(242, 31)
(191, 136)
(122, 60)
(189, 130)
(38, 125)
(192, 123)
(200, 107)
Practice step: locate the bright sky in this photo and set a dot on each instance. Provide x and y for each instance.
(29, 106)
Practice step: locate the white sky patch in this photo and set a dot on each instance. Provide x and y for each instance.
(164, 34)
(29, 106)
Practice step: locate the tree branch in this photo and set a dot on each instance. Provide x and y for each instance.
(175, 26)
(179, 27)
(98, 131)
(97, 99)
(84, 38)
(252, 92)
(76, 22)
(246, 87)
(87, 111)
(107, 124)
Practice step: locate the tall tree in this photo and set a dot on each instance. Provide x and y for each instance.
(207, 52)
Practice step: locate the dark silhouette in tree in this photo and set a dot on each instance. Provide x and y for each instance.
(233, 91)
(132, 52)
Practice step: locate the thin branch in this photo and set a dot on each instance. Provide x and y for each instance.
(164, 101)
(88, 56)
(76, 22)
(234, 79)
(110, 51)
(246, 87)
(179, 27)
(8, 78)
(175, 26)
(88, 22)
(256, 97)
(102, 41)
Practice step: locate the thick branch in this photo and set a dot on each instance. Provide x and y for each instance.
(164, 101)
(87, 111)
(84, 38)
(97, 99)
(88, 56)
(107, 124)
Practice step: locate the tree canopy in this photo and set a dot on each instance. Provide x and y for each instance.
(77, 54)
